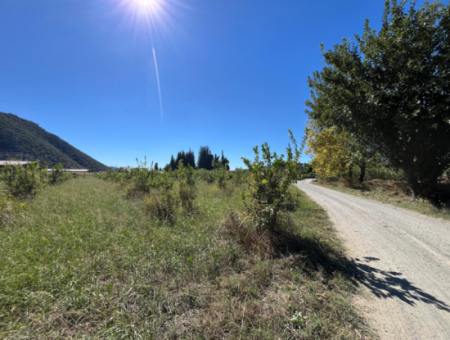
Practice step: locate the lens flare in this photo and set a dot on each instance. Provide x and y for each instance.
(152, 20)
(148, 7)
(159, 85)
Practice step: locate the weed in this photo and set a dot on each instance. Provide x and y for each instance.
(163, 205)
(9, 208)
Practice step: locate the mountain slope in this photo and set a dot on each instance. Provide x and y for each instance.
(20, 135)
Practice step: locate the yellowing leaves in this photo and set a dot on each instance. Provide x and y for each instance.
(329, 150)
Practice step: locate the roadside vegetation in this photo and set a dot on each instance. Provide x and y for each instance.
(379, 119)
(383, 98)
(184, 254)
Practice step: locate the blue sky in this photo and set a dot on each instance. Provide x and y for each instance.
(233, 73)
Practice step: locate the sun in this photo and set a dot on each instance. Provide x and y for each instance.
(148, 5)
(149, 17)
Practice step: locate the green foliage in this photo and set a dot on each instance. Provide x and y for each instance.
(58, 175)
(206, 159)
(291, 200)
(187, 191)
(24, 181)
(9, 208)
(83, 262)
(220, 173)
(336, 153)
(206, 175)
(165, 181)
(240, 176)
(271, 177)
(186, 174)
(384, 172)
(187, 158)
(142, 179)
(163, 205)
(20, 135)
(389, 91)
(165, 191)
(111, 175)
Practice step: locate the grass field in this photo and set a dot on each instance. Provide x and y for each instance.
(394, 193)
(83, 261)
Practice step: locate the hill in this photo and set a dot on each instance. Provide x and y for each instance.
(20, 135)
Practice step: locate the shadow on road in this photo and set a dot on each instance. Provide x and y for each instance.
(388, 284)
(317, 256)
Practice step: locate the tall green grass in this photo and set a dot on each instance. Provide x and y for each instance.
(84, 261)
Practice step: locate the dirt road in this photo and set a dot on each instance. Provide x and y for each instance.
(401, 257)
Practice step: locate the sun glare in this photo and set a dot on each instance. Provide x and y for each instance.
(148, 7)
(146, 3)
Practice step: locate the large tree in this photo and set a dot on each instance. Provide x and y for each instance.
(392, 89)
(205, 158)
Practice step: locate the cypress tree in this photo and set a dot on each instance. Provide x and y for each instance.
(172, 163)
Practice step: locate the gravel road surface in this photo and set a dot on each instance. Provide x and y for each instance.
(401, 257)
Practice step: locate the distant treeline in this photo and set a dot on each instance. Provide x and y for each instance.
(206, 159)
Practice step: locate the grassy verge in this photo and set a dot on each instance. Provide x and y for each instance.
(394, 193)
(84, 262)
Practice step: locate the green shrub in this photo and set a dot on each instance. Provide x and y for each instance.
(291, 201)
(384, 172)
(112, 175)
(187, 196)
(24, 181)
(271, 177)
(165, 181)
(187, 191)
(205, 175)
(142, 179)
(308, 175)
(220, 174)
(185, 174)
(163, 205)
(240, 176)
(58, 175)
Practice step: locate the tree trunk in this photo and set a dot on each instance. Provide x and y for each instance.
(414, 185)
(415, 192)
(363, 173)
(423, 188)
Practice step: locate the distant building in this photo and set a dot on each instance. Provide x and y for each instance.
(73, 171)
(4, 163)
(24, 163)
